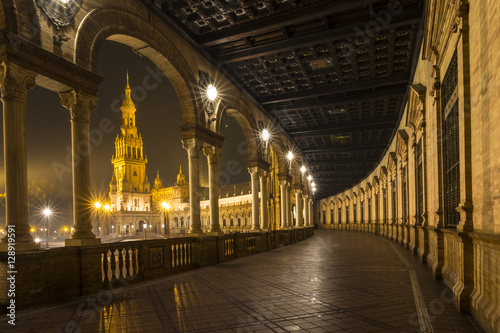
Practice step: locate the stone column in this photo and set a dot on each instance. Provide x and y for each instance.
(14, 85)
(298, 206)
(306, 210)
(289, 221)
(254, 176)
(79, 106)
(193, 148)
(284, 212)
(311, 212)
(263, 201)
(212, 154)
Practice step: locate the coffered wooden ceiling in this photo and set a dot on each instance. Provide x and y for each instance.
(334, 73)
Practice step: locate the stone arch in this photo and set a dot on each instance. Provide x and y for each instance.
(127, 28)
(241, 114)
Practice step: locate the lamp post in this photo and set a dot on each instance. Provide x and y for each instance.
(144, 226)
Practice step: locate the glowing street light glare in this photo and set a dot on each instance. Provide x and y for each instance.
(289, 156)
(165, 205)
(265, 135)
(314, 189)
(211, 92)
(64, 1)
(309, 178)
(97, 205)
(37, 240)
(47, 212)
(107, 207)
(313, 184)
(303, 169)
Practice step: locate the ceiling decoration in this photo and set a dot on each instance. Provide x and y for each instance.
(334, 73)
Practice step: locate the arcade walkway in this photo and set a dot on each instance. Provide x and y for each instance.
(336, 281)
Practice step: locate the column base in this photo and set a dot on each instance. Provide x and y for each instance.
(20, 247)
(82, 242)
(215, 233)
(256, 229)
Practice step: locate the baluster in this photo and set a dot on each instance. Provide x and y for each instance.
(126, 263)
(133, 262)
(112, 266)
(172, 255)
(120, 264)
(177, 255)
(104, 266)
(183, 258)
(130, 267)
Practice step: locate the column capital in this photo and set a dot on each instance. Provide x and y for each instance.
(285, 176)
(15, 81)
(193, 146)
(212, 153)
(79, 104)
(260, 164)
(254, 171)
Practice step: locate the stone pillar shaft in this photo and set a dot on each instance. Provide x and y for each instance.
(79, 106)
(283, 212)
(254, 176)
(213, 154)
(14, 84)
(306, 210)
(298, 206)
(263, 201)
(193, 148)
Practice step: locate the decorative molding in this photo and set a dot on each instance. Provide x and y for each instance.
(61, 14)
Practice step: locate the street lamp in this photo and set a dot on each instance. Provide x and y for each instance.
(303, 169)
(309, 178)
(289, 156)
(144, 226)
(47, 212)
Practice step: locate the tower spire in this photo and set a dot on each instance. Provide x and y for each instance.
(128, 86)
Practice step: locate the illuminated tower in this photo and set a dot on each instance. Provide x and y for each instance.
(129, 187)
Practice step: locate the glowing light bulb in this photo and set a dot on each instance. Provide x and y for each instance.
(211, 92)
(289, 156)
(265, 135)
(303, 169)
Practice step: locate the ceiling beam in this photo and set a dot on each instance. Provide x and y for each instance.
(346, 149)
(400, 79)
(276, 22)
(353, 97)
(349, 31)
(351, 127)
(335, 162)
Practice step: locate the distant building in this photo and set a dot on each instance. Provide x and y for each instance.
(133, 203)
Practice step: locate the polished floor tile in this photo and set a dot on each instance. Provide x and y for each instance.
(336, 281)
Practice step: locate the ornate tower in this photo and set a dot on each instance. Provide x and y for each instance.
(129, 187)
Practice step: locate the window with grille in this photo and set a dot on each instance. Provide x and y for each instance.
(331, 215)
(394, 202)
(384, 198)
(403, 194)
(354, 213)
(347, 214)
(420, 184)
(451, 144)
(340, 214)
(362, 204)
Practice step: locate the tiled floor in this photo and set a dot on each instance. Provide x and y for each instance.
(337, 281)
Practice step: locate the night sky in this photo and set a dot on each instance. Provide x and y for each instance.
(158, 118)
